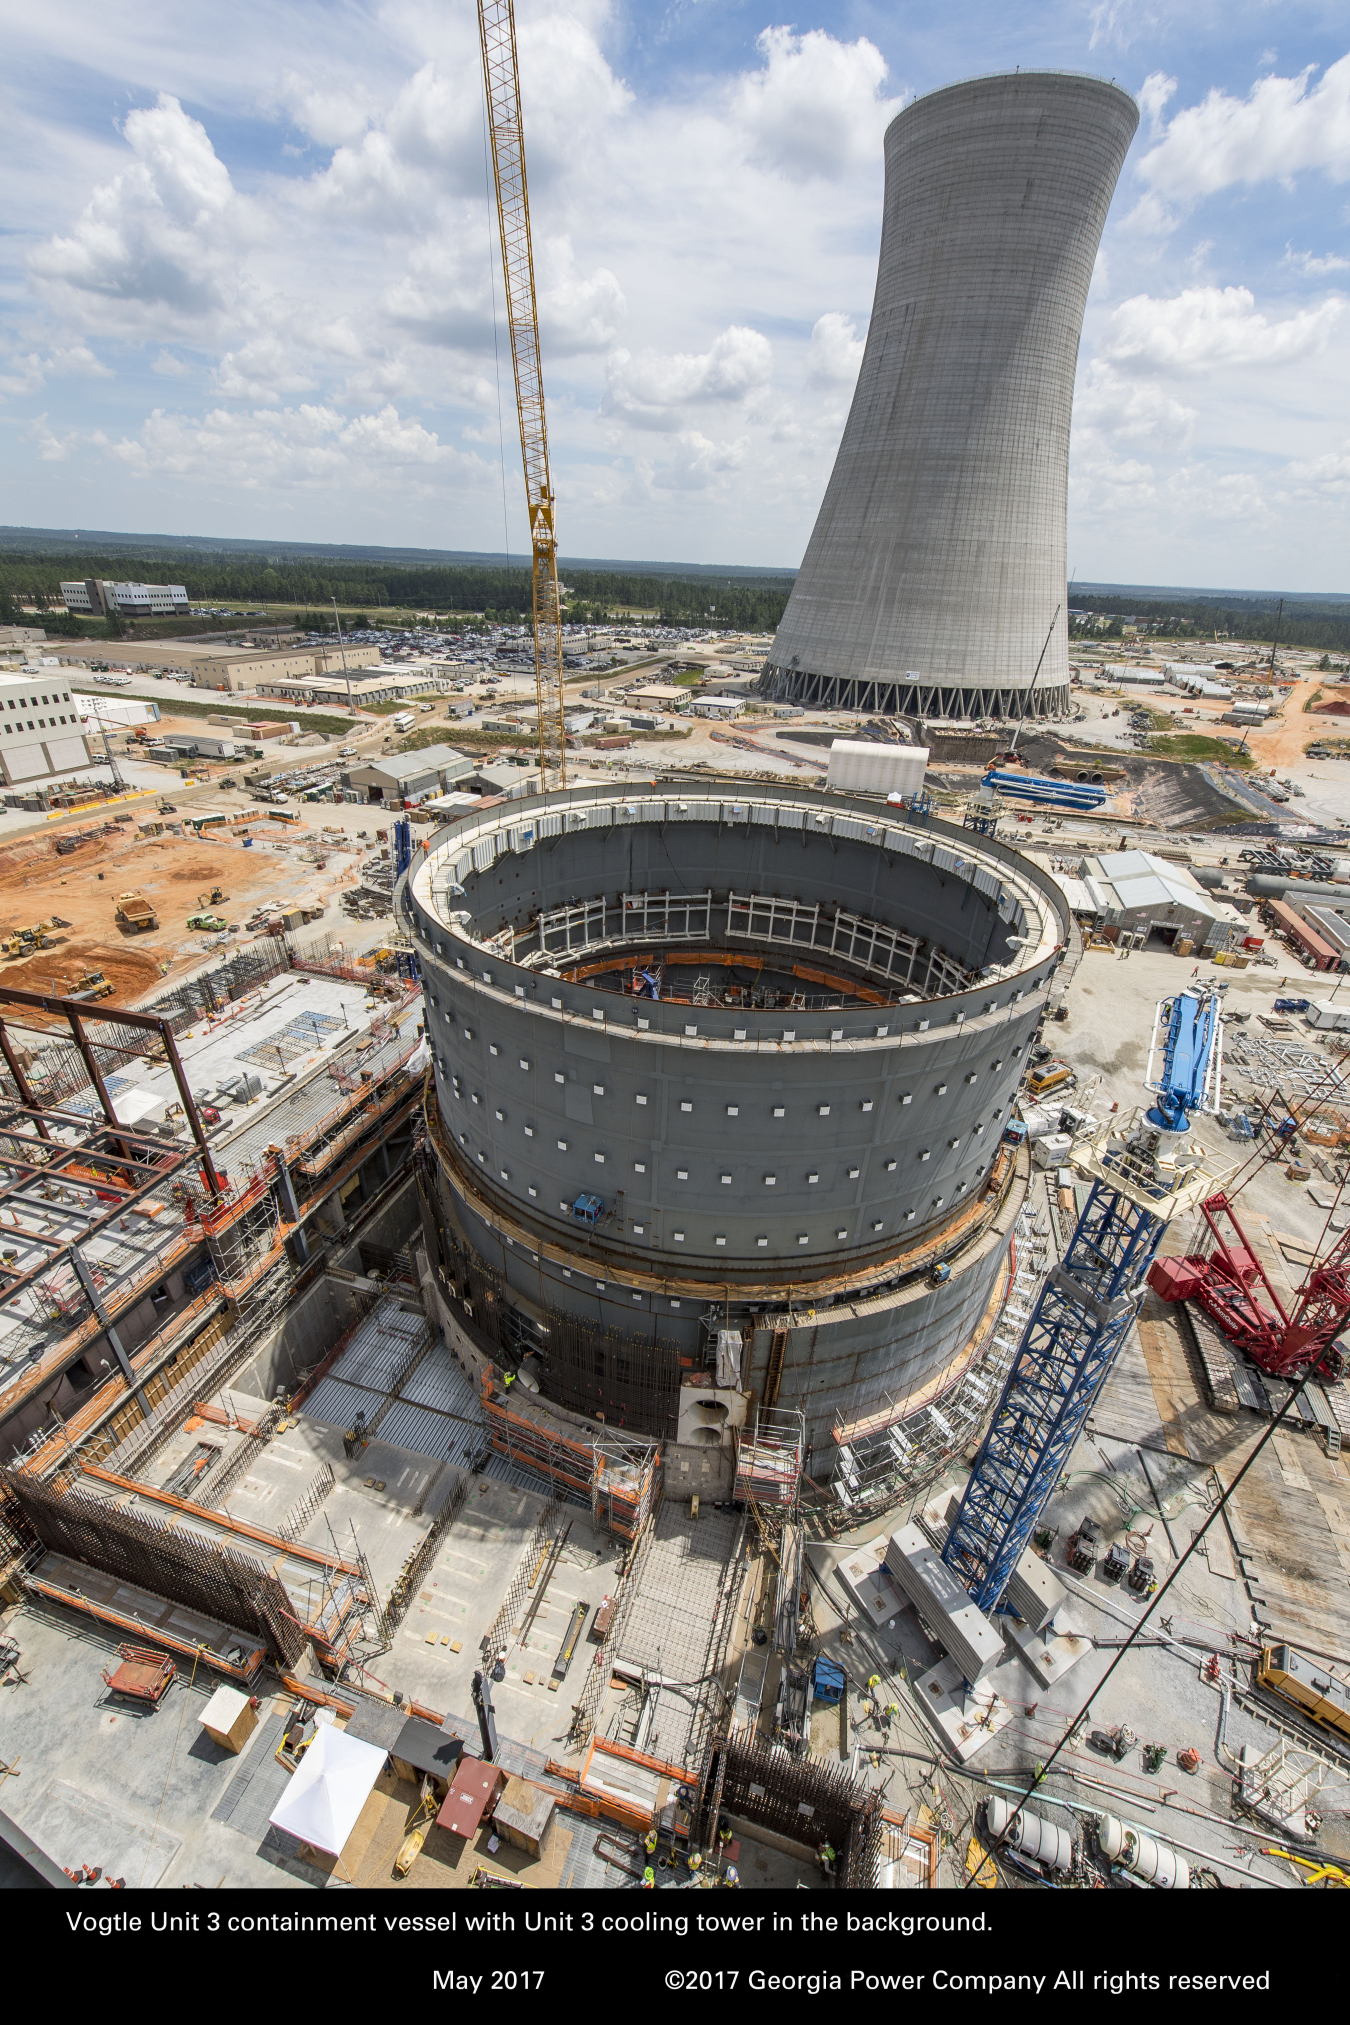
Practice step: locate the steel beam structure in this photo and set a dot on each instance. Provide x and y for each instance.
(1069, 1344)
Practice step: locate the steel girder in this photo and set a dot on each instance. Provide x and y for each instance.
(1078, 1324)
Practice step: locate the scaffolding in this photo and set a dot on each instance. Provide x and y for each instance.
(769, 1459)
(617, 1475)
(898, 1451)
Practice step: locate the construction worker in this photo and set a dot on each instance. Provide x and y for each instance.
(825, 1854)
(723, 1832)
(649, 1879)
(649, 1842)
(731, 1876)
(695, 1862)
(508, 1380)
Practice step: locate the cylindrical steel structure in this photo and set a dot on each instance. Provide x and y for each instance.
(931, 582)
(800, 1138)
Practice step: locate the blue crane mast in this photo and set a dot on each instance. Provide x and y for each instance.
(1080, 1320)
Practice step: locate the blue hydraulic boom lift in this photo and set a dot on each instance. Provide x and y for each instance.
(1187, 1029)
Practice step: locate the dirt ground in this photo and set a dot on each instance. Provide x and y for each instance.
(170, 871)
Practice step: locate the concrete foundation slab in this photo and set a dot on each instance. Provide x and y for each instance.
(966, 1720)
(870, 1584)
(77, 1829)
(1048, 1659)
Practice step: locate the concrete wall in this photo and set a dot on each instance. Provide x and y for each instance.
(940, 545)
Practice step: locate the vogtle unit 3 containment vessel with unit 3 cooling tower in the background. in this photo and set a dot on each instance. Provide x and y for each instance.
(934, 582)
(717, 1071)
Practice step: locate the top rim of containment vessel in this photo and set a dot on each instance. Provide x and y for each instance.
(1029, 77)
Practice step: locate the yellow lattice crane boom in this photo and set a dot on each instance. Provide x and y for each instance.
(501, 77)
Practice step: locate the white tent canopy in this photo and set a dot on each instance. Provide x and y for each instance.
(328, 1789)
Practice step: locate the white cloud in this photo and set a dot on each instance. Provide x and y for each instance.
(1284, 127)
(648, 389)
(1132, 410)
(695, 464)
(1202, 496)
(1154, 94)
(307, 447)
(835, 351)
(51, 448)
(170, 366)
(815, 109)
(1205, 328)
(32, 371)
(1313, 264)
(263, 368)
(1121, 22)
(162, 239)
(1325, 477)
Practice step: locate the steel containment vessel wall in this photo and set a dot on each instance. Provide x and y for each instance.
(787, 1140)
(938, 557)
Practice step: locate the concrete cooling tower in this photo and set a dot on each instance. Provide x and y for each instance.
(937, 563)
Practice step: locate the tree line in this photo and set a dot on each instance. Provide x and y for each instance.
(1305, 624)
(742, 604)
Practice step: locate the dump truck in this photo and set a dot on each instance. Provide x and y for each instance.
(134, 913)
(208, 924)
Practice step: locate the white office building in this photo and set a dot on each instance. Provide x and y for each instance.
(96, 599)
(40, 729)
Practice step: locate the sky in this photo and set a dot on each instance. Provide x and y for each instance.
(249, 281)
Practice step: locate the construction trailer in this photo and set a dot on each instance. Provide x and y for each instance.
(1296, 931)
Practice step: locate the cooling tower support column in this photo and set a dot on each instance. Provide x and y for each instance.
(938, 557)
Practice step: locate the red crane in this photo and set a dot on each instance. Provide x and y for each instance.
(1229, 1283)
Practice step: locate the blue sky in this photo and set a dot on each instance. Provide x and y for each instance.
(246, 284)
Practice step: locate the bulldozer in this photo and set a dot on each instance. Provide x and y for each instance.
(91, 984)
(208, 924)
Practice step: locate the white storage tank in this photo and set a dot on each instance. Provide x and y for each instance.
(1138, 1853)
(865, 767)
(1030, 1834)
